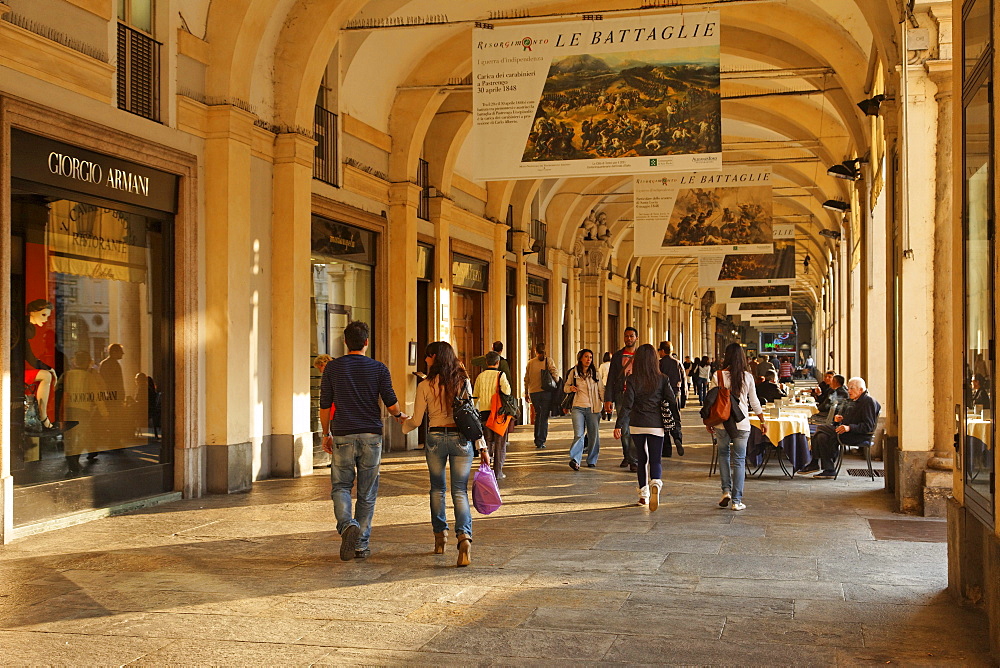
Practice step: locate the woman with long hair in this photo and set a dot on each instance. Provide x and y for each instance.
(645, 389)
(701, 375)
(732, 438)
(446, 380)
(588, 402)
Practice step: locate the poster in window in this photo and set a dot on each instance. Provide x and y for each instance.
(704, 213)
(586, 98)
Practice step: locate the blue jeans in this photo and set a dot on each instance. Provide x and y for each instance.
(700, 388)
(585, 423)
(628, 447)
(732, 461)
(442, 447)
(648, 449)
(361, 453)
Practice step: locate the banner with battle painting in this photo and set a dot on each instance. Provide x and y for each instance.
(699, 213)
(777, 268)
(586, 98)
(752, 293)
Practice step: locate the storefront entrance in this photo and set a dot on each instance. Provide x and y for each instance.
(91, 309)
(470, 277)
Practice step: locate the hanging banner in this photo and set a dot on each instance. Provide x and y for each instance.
(752, 293)
(754, 309)
(700, 213)
(586, 98)
(777, 268)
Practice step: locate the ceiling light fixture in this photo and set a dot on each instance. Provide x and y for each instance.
(832, 234)
(849, 170)
(836, 205)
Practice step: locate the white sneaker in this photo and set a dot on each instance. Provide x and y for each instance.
(643, 495)
(738, 505)
(654, 496)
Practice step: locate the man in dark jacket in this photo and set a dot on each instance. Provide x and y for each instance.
(671, 367)
(504, 365)
(855, 425)
(769, 390)
(614, 390)
(836, 394)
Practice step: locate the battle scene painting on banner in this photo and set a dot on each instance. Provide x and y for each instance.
(619, 96)
(701, 213)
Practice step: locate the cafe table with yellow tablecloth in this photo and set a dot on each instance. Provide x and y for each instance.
(787, 439)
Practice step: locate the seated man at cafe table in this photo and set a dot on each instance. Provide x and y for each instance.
(854, 424)
(823, 388)
(769, 390)
(837, 394)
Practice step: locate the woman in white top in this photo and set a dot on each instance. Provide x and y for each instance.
(588, 402)
(733, 449)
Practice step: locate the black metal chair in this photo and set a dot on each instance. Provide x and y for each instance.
(865, 445)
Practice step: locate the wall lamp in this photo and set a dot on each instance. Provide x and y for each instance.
(836, 205)
(849, 170)
(832, 234)
(871, 105)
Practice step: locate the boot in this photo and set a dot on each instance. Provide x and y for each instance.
(654, 494)
(464, 543)
(440, 540)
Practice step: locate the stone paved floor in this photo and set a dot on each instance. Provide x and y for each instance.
(568, 572)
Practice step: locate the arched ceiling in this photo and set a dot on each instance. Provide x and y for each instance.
(792, 72)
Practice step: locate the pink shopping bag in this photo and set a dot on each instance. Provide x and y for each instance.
(485, 492)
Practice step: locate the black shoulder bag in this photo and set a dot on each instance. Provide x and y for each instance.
(467, 415)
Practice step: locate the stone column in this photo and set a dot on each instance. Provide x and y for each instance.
(521, 310)
(497, 296)
(291, 281)
(401, 253)
(593, 261)
(227, 296)
(441, 211)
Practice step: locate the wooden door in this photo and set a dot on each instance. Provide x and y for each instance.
(467, 327)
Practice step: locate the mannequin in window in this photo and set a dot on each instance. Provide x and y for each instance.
(37, 371)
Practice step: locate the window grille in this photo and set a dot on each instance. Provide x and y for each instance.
(424, 181)
(325, 156)
(510, 228)
(138, 73)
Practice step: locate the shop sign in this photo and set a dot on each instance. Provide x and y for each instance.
(49, 162)
(538, 290)
(336, 241)
(92, 241)
(469, 273)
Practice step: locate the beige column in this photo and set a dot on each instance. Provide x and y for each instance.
(521, 312)
(497, 296)
(401, 313)
(291, 281)
(441, 211)
(227, 346)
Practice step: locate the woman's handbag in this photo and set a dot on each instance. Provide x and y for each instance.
(498, 421)
(467, 416)
(566, 405)
(485, 491)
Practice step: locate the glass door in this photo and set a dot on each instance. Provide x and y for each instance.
(977, 212)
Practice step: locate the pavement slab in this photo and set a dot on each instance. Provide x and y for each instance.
(569, 572)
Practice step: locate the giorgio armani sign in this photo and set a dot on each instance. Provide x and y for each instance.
(49, 162)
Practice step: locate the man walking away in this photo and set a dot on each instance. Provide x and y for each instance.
(354, 383)
(614, 391)
(541, 398)
(672, 369)
(504, 366)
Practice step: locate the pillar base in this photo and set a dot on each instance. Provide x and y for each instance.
(230, 468)
(910, 466)
(292, 454)
(6, 509)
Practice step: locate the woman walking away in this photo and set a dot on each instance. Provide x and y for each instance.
(732, 436)
(702, 372)
(446, 379)
(488, 383)
(588, 402)
(602, 374)
(640, 409)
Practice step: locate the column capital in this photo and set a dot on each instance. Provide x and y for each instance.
(292, 147)
(224, 121)
(404, 193)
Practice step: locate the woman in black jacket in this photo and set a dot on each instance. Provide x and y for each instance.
(640, 410)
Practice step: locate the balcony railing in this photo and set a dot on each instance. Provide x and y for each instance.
(424, 181)
(138, 73)
(325, 156)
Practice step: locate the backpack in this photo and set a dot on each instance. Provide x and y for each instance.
(717, 406)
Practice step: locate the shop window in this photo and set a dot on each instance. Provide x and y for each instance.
(326, 162)
(91, 347)
(138, 60)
